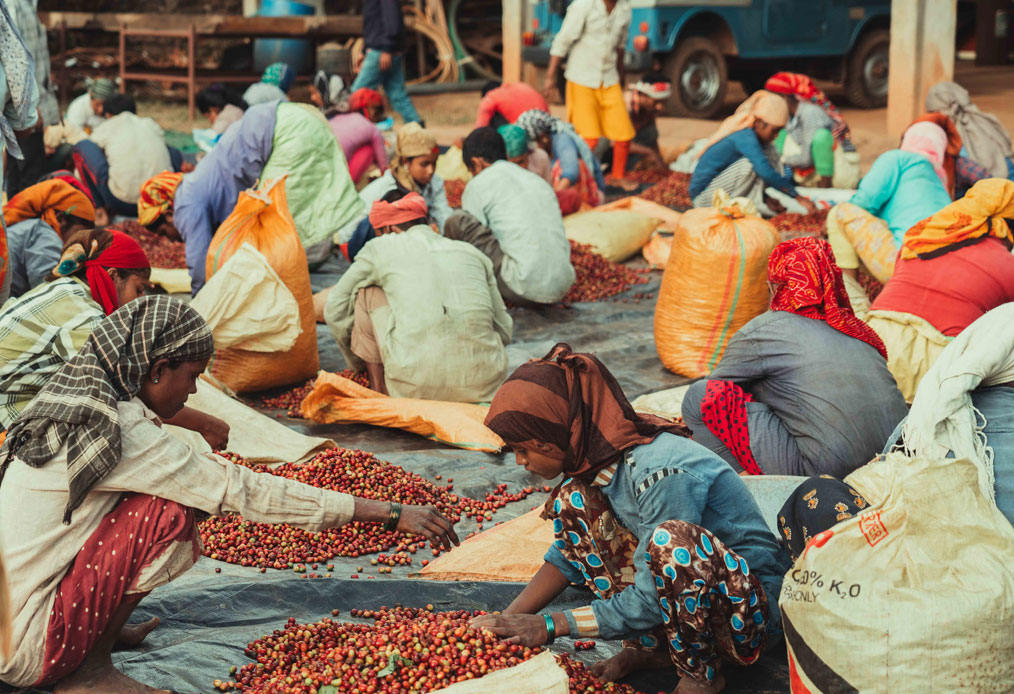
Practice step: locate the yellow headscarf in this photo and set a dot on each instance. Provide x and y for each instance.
(982, 212)
(767, 106)
(413, 141)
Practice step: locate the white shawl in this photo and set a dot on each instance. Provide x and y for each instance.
(943, 418)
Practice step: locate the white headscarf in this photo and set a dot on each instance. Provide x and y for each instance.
(943, 418)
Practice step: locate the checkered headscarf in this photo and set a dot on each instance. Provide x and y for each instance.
(78, 405)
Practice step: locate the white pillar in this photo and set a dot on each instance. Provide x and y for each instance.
(513, 11)
(922, 54)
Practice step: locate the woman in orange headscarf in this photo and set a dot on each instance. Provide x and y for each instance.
(60, 205)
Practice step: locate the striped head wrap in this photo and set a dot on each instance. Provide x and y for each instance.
(78, 405)
(982, 213)
(157, 196)
(809, 283)
(573, 404)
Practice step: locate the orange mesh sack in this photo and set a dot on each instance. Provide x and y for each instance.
(262, 219)
(715, 281)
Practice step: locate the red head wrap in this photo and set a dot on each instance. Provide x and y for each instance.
(408, 209)
(124, 253)
(809, 284)
(364, 98)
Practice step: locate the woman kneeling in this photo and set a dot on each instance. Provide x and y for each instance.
(661, 530)
(96, 500)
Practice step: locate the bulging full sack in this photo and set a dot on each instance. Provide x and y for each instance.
(262, 220)
(714, 282)
(616, 235)
(913, 595)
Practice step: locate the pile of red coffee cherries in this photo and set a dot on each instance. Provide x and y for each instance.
(161, 251)
(235, 540)
(596, 278)
(404, 650)
(291, 400)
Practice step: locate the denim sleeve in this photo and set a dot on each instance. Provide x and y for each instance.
(42, 253)
(681, 496)
(555, 557)
(565, 152)
(440, 209)
(750, 147)
(194, 224)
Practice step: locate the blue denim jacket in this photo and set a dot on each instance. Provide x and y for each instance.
(674, 478)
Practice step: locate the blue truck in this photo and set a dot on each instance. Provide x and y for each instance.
(702, 45)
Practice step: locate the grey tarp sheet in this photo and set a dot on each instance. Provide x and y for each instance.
(208, 618)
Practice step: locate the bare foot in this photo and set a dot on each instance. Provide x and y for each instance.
(133, 635)
(690, 686)
(93, 678)
(627, 661)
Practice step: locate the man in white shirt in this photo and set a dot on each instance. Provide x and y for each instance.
(592, 38)
(121, 154)
(513, 216)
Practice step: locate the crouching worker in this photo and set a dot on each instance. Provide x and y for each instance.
(38, 219)
(954, 267)
(743, 160)
(804, 388)
(661, 530)
(964, 408)
(97, 498)
(421, 311)
(513, 217)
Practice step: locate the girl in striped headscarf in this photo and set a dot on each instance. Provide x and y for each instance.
(92, 526)
(662, 531)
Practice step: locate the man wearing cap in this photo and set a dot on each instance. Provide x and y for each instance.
(645, 99)
(85, 112)
(421, 312)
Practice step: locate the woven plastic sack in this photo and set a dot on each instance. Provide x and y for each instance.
(668, 219)
(451, 166)
(714, 283)
(262, 219)
(913, 595)
(615, 235)
(512, 551)
(658, 249)
(337, 400)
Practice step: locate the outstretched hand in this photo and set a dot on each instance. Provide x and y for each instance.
(523, 629)
(430, 523)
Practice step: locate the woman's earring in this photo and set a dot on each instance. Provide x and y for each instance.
(154, 380)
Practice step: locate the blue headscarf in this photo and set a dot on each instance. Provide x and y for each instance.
(280, 75)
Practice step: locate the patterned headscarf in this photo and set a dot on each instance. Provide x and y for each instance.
(78, 405)
(364, 98)
(49, 201)
(982, 213)
(809, 284)
(96, 251)
(515, 139)
(101, 89)
(954, 144)
(573, 404)
(280, 75)
(537, 123)
(157, 196)
(332, 92)
(986, 138)
(19, 68)
(413, 141)
(803, 88)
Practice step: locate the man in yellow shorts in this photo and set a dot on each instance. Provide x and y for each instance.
(592, 38)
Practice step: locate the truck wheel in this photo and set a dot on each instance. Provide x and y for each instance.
(866, 79)
(700, 78)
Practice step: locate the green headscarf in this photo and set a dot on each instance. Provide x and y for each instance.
(515, 138)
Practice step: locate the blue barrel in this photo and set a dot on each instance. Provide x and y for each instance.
(295, 52)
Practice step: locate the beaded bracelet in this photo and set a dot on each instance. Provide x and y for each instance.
(392, 520)
(550, 628)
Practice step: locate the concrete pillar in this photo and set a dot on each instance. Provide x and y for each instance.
(922, 54)
(513, 11)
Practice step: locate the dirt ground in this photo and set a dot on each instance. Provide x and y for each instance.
(450, 116)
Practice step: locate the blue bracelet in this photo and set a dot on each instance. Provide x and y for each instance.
(550, 629)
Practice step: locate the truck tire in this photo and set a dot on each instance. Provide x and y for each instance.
(866, 76)
(700, 78)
